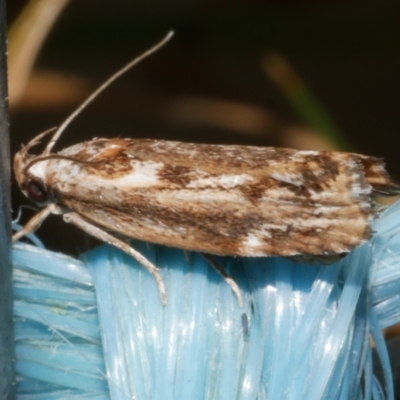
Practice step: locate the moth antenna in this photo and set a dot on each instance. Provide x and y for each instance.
(59, 157)
(102, 87)
(36, 140)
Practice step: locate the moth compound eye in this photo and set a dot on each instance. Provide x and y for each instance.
(36, 191)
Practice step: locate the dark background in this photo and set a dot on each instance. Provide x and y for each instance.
(346, 52)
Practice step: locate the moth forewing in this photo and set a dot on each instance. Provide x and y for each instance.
(227, 200)
(214, 199)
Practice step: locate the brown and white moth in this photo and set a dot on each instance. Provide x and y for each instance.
(214, 199)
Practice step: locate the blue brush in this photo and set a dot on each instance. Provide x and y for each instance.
(95, 328)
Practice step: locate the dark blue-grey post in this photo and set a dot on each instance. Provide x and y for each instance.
(7, 387)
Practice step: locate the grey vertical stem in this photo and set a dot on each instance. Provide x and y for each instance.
(7, 387)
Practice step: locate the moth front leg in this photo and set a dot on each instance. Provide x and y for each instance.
(35, 222)
(100, 234)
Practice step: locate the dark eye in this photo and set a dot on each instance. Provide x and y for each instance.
(36, 191)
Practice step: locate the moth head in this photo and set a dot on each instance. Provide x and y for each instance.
(29, 172)
(29, 181)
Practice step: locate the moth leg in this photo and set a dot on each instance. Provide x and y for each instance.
(35, 222)
(220, 269)
(98, 233)
(188, 257)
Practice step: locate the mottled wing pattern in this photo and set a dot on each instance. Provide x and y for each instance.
(230, 200)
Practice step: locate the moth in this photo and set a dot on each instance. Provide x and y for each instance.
(214, 199)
